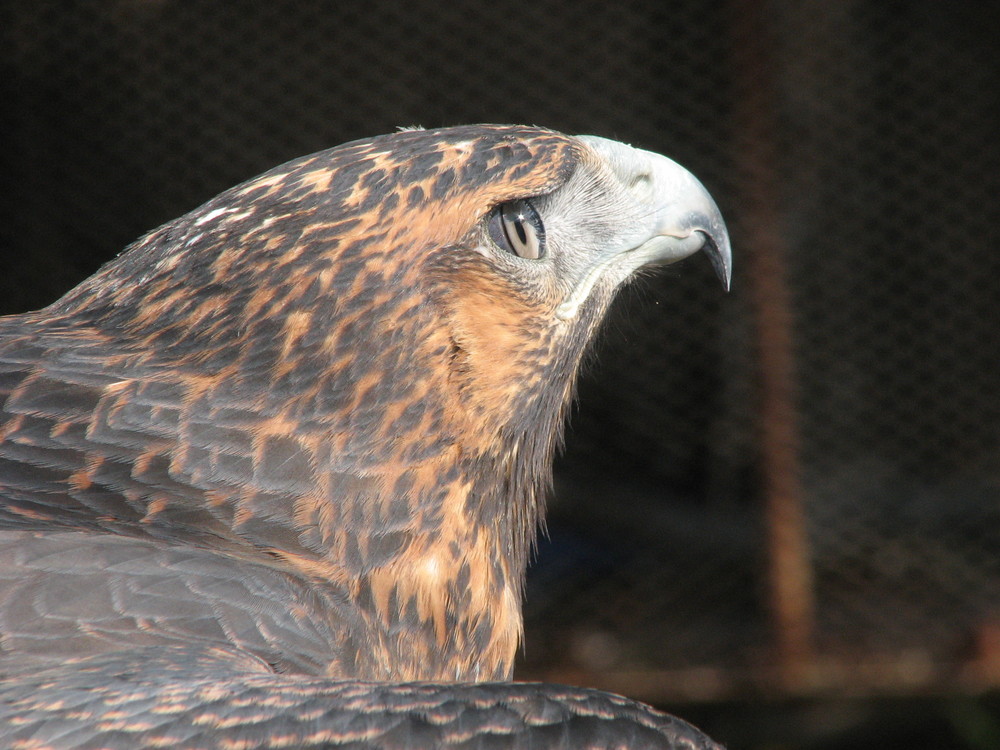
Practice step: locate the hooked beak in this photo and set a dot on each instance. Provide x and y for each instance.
(678, 216)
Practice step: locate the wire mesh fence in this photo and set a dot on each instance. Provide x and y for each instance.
(793, 486)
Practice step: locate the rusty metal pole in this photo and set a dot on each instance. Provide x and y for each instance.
(758, 156)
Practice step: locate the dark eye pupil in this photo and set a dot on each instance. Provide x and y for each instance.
(522, 235)
(517, 228)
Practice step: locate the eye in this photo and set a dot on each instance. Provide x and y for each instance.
(516, 227)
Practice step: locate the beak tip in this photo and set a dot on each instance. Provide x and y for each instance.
(719, 253)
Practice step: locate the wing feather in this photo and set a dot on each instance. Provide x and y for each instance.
(192, 697)
(79, 594)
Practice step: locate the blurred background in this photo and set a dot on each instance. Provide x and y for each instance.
(778, 512)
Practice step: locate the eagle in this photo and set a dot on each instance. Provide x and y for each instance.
(271, 477)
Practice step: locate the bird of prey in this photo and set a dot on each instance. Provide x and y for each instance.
(270, 478)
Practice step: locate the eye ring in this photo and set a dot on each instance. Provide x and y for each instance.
(517, 228)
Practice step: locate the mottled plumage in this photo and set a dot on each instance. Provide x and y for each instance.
(302, 435)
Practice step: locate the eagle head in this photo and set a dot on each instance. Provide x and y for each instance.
(358, 363)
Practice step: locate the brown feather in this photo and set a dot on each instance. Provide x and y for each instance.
(316, 371)
(298, 440)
